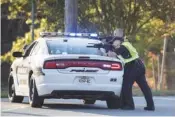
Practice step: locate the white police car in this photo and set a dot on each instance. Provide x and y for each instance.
(64, 66)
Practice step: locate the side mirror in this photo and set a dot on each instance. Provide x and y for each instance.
(17, 54)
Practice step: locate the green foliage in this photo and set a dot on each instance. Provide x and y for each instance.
(131, 15)
(152, 34)
(51, 11)
(95, 15)
(49, 16)
(18, 46)
(144, 21)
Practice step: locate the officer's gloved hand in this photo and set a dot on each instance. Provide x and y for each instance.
(111, 54)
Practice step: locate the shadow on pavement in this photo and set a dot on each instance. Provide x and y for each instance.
(71, 106)
(80, 108)
(24, 114)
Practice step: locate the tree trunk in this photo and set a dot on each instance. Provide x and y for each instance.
(170, 64)
(70, 15)
(163, 70)
(153, 72)
(158, 72)
(170, 71)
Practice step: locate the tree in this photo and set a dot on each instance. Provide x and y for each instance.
(49, 14)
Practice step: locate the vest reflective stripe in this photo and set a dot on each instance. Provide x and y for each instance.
(132, 51)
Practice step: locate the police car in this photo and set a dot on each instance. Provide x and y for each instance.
(65, 66)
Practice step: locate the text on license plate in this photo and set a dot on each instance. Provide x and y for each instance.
(84, 79)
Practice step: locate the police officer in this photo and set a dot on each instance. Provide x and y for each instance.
(134, 70)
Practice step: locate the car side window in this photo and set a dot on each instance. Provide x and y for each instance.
(35, 49)
(28, 50)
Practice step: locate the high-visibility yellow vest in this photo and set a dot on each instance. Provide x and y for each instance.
(132, 51)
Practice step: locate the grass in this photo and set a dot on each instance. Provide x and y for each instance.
(137, 92)
(4, 94)
(4, 90)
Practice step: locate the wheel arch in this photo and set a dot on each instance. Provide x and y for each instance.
(10, 77)
(30, 75)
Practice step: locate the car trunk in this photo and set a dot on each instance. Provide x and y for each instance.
(80, 64)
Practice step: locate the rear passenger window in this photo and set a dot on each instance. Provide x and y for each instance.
(36, 49)
(29, 49)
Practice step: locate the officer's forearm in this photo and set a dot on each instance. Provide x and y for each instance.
(108, 47)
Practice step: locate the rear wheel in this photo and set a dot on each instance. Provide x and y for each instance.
(11, 92)
(89, 101)
(34, 99)
(113, 103)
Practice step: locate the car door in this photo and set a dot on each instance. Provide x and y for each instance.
(24, 68)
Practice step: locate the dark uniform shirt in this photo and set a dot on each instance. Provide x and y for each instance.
(123, 51)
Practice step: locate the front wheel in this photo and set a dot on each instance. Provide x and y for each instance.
(11, 92)
(113, 103)
(34, 99)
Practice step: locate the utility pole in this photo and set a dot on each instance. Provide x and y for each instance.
(33, 19)
(71, 16)
(158, 70)
(163, 61)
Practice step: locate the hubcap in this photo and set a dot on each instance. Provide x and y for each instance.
(13, 90)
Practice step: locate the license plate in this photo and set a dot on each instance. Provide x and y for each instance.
(84, 79)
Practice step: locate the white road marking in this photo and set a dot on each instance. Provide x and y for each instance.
(165, 98)
(160, 98)
(13, 109)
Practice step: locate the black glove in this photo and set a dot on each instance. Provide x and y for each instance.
(107, 47)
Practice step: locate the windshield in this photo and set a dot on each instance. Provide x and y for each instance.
(57, 47)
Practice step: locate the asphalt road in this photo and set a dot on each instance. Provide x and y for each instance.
(165, 106)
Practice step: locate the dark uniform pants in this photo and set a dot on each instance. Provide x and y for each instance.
(135, 71)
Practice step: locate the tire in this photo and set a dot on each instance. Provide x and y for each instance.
(34, 99)
(89, 101)
(11, 92)
(113, 103)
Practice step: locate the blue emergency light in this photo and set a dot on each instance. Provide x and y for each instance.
(55, 34)
(94, 35)
(72, 34)
(79, 34)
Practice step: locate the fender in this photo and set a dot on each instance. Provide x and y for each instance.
(15, 80)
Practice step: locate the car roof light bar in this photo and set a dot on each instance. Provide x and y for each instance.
(94, 35)
(55, 34)
(72, 34)
(79, 34)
